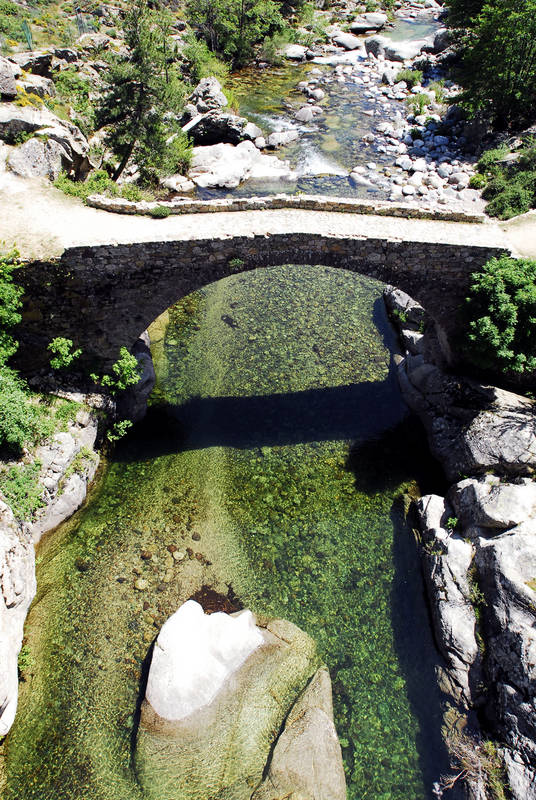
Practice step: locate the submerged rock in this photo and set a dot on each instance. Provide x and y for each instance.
(219, 689)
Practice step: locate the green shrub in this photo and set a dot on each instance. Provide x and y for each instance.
(62, 352)
(124, 373)
(178, 155)
(478, 181)
(20, 486)
(23, 422)
(410, 76)
(160, 212)
(500, 316)
(202, 62)
(489, 160)
(418, 103)
(509, 203)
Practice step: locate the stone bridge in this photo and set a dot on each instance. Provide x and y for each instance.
(103, 295)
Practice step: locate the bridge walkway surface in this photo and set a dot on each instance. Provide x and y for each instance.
(43, 222)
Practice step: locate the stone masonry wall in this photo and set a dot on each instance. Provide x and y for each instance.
(104, 297)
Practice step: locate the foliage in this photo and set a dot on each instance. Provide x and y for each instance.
(160, 212)
(20, 486)
(11, 17)
(22, 421)
(10, 304)
(508, 185)
(498, 40)
(63, 353)
(475, 761)
(124, 373)
(202, 62)
(73, 89)
(500, 316)
(273, 45)
(477, 181)
(178, 155)
(99, 182)
(27, 99)
(411, 76)
(418, 103)
(233, 27)
(118, 430)
(140, 89)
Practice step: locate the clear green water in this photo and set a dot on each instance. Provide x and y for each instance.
(276, 458)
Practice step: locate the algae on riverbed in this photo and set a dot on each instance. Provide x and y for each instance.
(266, 475)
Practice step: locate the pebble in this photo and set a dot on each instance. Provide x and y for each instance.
(140, 584)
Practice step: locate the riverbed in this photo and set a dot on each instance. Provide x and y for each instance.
(272, 472)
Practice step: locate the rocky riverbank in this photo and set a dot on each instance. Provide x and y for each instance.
(478, 553)
(66, 463)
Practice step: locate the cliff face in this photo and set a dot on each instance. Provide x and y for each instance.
(478, 548)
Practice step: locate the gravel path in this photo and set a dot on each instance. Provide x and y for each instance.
(43, 222)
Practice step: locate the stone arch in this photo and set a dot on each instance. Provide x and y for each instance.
(102, 297)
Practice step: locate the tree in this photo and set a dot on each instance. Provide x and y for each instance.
(499, 57)
(140, 89)
(501, 316)
(232, 27)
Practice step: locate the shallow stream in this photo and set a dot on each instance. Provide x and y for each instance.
(332, 144)
(272, 472)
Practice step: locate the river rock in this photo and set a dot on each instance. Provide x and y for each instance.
(208, 94)
(507, 573)
(372, 21)
(442, 40)
(471, 428)
(216, 127)
(281, 138)
(295, 52)
(490, 503)
(447, 559)
(8, 87)
(403, 51)
(410, 313)
(17, 589)
(75, 149)
(307, 759)
(346, 40)
(226, 686)
(305, 114)
(226, 165)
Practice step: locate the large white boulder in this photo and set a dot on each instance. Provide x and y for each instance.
(226, 166)
(194, 655)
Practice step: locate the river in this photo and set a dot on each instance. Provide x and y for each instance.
(272, 472)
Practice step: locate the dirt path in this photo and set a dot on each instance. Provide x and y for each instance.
(43, 222)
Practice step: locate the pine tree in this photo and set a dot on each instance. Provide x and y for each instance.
(140, 89)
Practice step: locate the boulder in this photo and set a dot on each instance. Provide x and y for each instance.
(471, 428)
(73, 151)
(403, 51)
(208, 95)
(347, 40)
(368, 22)
(38, 158)
(281, 138)
(442, 40)
(216, 127)
(93, 42)
(38, 63)
(490, 503)
(227, 166)
(295, 52)
(307, 759)
(8, 87)
(17, 589)
(35, 84)
(305, 114)
(506, 567)
(178, 183)
(447, 559)
(406, 310)
(68, 54)
(375, 45)
(225, 686)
